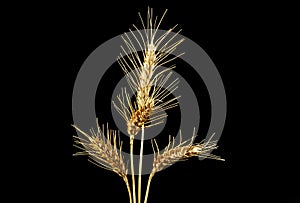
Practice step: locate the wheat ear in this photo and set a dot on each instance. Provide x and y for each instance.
(145, 75)
(103, 151)
(182, 151)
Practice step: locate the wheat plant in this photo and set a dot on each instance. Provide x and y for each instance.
(145, 77)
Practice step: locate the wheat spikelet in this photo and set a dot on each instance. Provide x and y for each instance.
(145, 77)
(102, 149)
(183, 151)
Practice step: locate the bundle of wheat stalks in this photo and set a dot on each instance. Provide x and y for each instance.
(146, 79)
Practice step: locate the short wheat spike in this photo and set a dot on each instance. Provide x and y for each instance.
(103, 151)
(182, 151)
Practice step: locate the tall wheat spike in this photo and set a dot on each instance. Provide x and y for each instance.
(145, 73)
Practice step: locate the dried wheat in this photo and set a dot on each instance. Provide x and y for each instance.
(103, 151)
(145, 75)
(182, 151)
(150, 85)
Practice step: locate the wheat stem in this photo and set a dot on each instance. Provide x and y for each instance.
(132, 169)
(148, 187)
(128, 188)
(141, 165)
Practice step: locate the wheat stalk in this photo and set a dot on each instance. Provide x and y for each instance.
(103, 151)
(143, 75)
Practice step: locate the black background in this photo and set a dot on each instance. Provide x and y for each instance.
(244, 42)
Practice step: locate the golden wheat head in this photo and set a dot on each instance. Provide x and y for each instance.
(183, 151)
(102, 149)
(145, 75)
